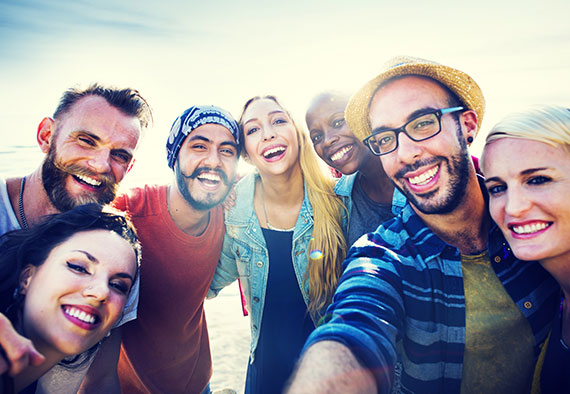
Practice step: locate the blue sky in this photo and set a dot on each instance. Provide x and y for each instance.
(180, 53)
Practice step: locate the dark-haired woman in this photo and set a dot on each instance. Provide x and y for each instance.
(64, 284)
(368, 192)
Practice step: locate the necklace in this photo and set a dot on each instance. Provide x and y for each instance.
(21, 205)
(269, 226)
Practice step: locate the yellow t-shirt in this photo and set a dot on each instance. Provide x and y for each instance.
(499, 355)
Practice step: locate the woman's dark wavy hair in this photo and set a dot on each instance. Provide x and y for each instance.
(32, 246)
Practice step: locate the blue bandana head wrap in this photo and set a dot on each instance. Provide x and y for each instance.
(193, 118)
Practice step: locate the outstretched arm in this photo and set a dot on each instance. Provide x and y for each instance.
(16, 352)
(354, 350)
(330, 367)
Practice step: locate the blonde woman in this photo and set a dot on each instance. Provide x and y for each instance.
(284, 240)
(526, 162)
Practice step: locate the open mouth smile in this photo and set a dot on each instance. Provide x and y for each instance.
(81, 317)
(210, 178)
(341, 153)
(274, 153)
(424, 178)
(87, 180)
(529, 228)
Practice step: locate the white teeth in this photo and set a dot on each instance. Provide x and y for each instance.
(210, 176)
(81, 315)
(341, 153)
(89, 181)
(424, 178)
(530, 228)
(271, 151)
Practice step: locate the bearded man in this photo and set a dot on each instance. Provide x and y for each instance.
(89, 145)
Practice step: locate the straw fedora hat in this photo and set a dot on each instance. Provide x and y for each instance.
(458, 82)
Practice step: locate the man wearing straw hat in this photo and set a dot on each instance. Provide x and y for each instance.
(433, 301)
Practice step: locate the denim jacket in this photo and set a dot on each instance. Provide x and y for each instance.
(245, 255)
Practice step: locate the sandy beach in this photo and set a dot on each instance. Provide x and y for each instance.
(229, 339)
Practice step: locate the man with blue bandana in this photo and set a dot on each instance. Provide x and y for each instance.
(181, 228)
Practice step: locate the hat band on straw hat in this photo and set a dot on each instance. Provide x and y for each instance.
(456, 81)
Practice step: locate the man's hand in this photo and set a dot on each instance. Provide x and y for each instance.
(330, 367)
(230, 200)
(16, 351)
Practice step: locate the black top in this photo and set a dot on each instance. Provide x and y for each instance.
(555, 376)
(285, 324)
(8, 386)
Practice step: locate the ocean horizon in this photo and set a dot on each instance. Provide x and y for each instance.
(18, 160)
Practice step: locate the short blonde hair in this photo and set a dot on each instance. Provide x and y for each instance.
(547, 124)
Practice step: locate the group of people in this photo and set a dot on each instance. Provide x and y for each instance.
(415, 271)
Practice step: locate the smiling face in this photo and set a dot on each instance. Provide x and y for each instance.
(206, 166)
(332, 139)
(76, 296)
(89, 151)
(433, 174)
(270, 137)
(529, 184)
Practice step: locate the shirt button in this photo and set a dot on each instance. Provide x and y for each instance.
(497, 259)
(254, 327)
(528, 304)
(260, 264)
(256, 299)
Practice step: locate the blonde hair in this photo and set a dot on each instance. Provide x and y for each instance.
(327, 248)
(547, 124)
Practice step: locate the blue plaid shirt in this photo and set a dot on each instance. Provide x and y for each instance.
(400, 305)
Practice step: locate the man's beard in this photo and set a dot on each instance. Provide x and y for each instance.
(210, 200)
(54, 175)
(458, 169)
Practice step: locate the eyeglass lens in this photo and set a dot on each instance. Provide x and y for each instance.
(418, 129)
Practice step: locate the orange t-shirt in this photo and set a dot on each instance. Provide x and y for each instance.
(166, 349)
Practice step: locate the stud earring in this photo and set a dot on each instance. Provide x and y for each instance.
(469, 139)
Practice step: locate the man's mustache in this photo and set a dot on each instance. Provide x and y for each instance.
(107, 180)
(201, 170)
(420, 163)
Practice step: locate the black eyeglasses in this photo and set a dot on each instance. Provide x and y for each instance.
(418, 129)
